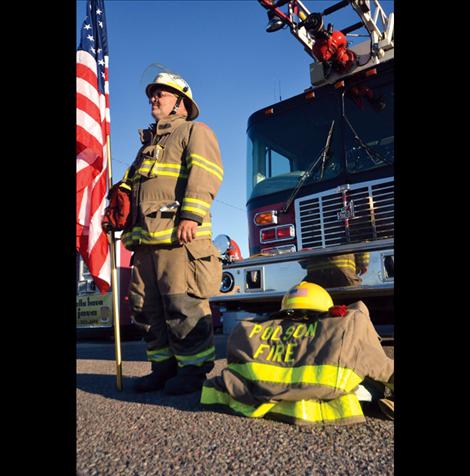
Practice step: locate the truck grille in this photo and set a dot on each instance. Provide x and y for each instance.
(323, 222)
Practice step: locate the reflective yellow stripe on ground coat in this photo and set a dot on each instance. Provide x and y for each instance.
(346, 406)
(210, 396)
(312, 411)
(329, 375)
(196, 359)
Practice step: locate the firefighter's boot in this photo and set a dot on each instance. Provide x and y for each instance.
(188, 380)
(161, 372)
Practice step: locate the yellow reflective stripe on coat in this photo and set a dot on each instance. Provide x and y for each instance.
(145, 166)
(195, 205)
(165, 237)
(213, 172)
(310, 411)
(211, 167)
(169, 169)
(125, 186)
(154, 168)
(207, 162)
(196, 359)
(126, 175)
(159, 355)
(197, 211)
(328, 375)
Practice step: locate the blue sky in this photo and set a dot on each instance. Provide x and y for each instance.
(234, 68)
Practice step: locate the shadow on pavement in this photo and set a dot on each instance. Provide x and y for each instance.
(105, 385)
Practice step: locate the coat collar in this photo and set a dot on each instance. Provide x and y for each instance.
(162, 127)
(167, 125)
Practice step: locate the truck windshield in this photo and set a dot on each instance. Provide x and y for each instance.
(282, 146)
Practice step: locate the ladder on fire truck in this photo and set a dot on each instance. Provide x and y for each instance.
(325, 45)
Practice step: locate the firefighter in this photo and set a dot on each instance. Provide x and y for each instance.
(176, 268)
(304, 364)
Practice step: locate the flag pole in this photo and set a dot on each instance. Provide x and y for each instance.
(114, 286)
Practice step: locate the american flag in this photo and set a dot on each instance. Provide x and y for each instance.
(92, 135)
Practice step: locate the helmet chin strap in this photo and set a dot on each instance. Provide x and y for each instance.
(178, 102)
(177, 105)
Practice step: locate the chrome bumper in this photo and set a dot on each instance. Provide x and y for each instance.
(269, 278)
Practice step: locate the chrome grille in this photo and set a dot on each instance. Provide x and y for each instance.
(373, 218)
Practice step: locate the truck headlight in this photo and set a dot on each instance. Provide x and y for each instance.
(228, 282)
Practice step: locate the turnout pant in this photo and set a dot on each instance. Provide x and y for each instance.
(168, 293)
(335, 271)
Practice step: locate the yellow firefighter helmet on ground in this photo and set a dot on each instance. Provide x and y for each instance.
(306, 296)
(180, 86)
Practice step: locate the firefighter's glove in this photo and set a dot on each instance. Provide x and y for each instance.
(117, 213)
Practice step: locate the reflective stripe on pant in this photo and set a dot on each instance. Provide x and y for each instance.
(197, 349)
(178, 324)
(159, 355)
(198, 359)
(341, 410)
(186, 351)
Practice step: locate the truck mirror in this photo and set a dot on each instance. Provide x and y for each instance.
(222, 243)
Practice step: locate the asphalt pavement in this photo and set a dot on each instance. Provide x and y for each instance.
(123, 433)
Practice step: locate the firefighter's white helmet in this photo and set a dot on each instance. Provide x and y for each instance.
(179, 85)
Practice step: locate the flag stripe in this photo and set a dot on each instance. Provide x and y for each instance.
(97, 203)
(86, 75)
(88, 141)
(90, 126)
(84, 103)
(87, 60)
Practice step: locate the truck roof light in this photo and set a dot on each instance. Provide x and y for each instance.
(310, 95)
(274, 22)
(270, 110)
(266, 218)
(370, 72)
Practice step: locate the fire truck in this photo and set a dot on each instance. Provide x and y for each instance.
(320, 169)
